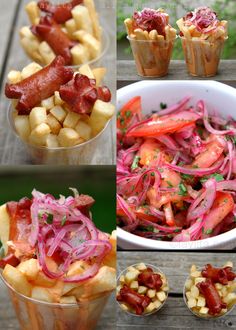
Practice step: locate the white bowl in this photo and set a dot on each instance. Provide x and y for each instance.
(218, 97)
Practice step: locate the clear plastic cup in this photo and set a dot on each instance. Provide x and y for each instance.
(202, 57)
(157, 270)
(202, 316)
(80, 154)
(38, 315)
(152, 57)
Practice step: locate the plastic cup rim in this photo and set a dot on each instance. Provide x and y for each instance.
(152, 41)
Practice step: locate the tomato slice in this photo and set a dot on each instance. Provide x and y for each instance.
(128, 111)
(208, 157)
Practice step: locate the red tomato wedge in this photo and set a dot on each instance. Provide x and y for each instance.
(128, 111)
(165, 124)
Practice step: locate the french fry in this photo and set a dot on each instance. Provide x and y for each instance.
(59, 113)
(33, 12)
(54, 124)
(140, 35)
(94, 18)
(129, 26)
(4, 228)
(46, 52)
(71, 119)
(87, 39)
(17, 280)
(30, 69)
(82, 18)
(42, 294)
(80, 54)
(99, 74)
(86, 70)
(14, 77)
(30, 268)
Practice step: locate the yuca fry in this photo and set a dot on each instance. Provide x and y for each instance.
(97, 31)
(153, 35)
(33, 12)
(129, 26)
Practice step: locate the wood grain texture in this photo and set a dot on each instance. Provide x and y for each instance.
(12, 150)
(174, 314)
(126, 71)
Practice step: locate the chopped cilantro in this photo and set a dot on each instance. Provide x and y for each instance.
(148, 228)
(128, 114)
(177, 230)
(208, 231)
(163, 105)
(135, 162)
(63, 221)
(186, 176)
(49, 218)
(152, 174)
(182, 190)
(170, 185)
(218, 177)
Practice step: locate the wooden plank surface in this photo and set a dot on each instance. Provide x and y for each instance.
(174, 315)
(11, 149)
(126, 71)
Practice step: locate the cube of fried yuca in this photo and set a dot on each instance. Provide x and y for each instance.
(93, 45)
(134, 285)
(30, 46)
(104, 280)
(68, 137)
(150, 308)
(46, 52)
(57, 98)
(33, 12)
(188, 284)
(99, 74)
(230, 298)
(104, 109)
(30, 268)
(26, 32)
(194, 291)
(71, 119)
(151, 293)
(37, 116)
(54, 124)
(4, 227)
(80, 54)
(41, 294)
(192, 302)
(59, 113)
(68, 300)
(43, 280)
(39, 134)
(201, 301)
(161, 295)
(14, 77)
(17, 280)
(70, 27)
(157, 303)
(97, 31)
(129, 26)
(86, 70)
(22, 126)
(48, 103)
(84, 130)
(82, 19)
(141, 266)
(97, 123)
(204, 310)
(77, 267)
(30, 69)
(142, 289)
(51, 141)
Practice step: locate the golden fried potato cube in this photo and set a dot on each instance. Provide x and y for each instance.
(70, 27)
(124, 307)
(4, 227)
(46, 52)
(201, 301)
(161, 295)
(134, 285)
(204, 310)
(48, 103)
(68, 300)
(41, 294)
(194, 291)
(192, 302)
(84, 130)
(37, 116)
(230, 298)
(51, 141)
(104, 109)
(68, 137)
(57, 98)
(151, 293)
(17, 280)
(26, 32)
(157, 303)
(88, 40)
(99, 74)
(150, 308)
(142, 289)
(54, 124)
(30, 69)
(87, 71)
(82, 19)
(59, 113)
(141, 266)
(97, 123)
(30, 268)
(39, 134)
(188, 284)
(80, 54)
(131, 275)
(33, 12)
(71, 119)
(22, 126)
(14, 77)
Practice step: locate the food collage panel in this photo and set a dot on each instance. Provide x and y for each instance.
(117, 164)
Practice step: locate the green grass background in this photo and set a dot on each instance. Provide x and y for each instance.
(97, 181)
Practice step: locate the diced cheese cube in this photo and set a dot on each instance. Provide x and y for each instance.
(59, 113)
(38, 115)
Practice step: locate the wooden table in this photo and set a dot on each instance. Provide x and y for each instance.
(174, 314)
(12, 17)
(127, 73)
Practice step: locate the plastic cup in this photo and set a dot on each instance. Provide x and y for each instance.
(81, 154)
(202, 316)
(157, 270)
(202, 57)
(152, 57)
(38, 315)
